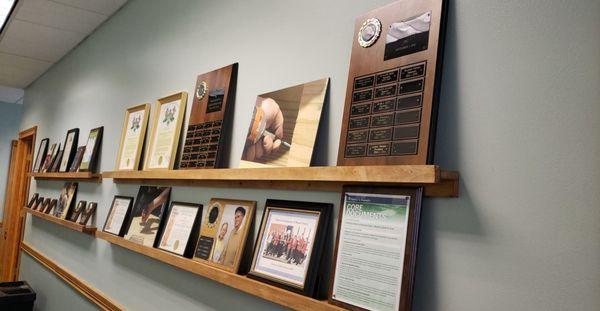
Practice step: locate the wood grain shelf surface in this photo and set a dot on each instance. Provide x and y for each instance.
(65, 223)
(253, 287)
(437, 182)
(78, 176)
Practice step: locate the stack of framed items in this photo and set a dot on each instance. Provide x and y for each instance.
(71, 158)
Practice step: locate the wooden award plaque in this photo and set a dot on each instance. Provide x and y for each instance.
(210, 119)
(394, 84)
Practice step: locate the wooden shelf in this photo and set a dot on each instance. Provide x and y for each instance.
(77, 176)
(253, 287)
(65, 223)
(437, 182)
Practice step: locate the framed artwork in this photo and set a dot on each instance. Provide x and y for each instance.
(288, 248)
(66, 200)
(40, 156)
(69, 150)
(92, 148)
(52, 205)
(56, 161)
(283, 127)
(49, 156)
(148, 212)
(38, 203)
(77, 159)
(363, 255)
(44, 204)
(181, 228)
(164, 138)
(87, 213)
(209, 126)
(132, 138)
(74, 215)
(224, 233)
(33, 200)
(119, 212)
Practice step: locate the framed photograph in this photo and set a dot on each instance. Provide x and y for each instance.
(33, 200)
(132, 138)
(363, 255)
(69, 150)
(87, 213)
(92, 148)
(164, 139)
(77, 159)
(181, 227)
(49, 156)
(38, 203)
(283, 127)
(50, 207)
(118, 215)
(77, 211)
(148, 212)
(224, 233)
(40, 156)
(44, 204)
(288, 248)
(56, 161)
(66, 200)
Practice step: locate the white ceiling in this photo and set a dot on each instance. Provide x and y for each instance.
(41, 32)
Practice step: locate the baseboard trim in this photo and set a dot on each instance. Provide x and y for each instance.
(93, 294)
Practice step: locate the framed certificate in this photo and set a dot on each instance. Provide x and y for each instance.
(132, 138)
(224, 232)
(41, 154)
(70, 148)
(181, 228)
(376, 249)
(164, 139)
(118, 215)
(92, 148)
(288, 249)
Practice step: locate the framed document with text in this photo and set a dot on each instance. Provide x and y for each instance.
(118, 215)
(181, 228)
(166, 128)
(132, 138)
(289, 245)
(376, 249)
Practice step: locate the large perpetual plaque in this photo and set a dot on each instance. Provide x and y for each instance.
(394, 84)
(210, 120)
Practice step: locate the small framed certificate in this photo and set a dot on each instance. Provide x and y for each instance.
(132, 138)
(118, 214)
(376, 249)
(181, 228)
(164, 139)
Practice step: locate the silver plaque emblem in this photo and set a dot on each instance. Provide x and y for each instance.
(369, 32)
(201, 90)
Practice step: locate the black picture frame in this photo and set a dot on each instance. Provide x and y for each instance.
(41, 155)
(33, 199)
(74, 167)
(44, 204)
(75, 212)
(193, 235)
(148, 195)
(56, 161)
(323, 210)
(90, 209)
(69, 151)
(123, 227)
(93, 161)
(52, 205)
(38, 203)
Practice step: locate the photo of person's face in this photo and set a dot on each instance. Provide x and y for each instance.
(223, 230)
(239, 218)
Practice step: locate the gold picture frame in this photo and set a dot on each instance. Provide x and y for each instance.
(172, 120)
(133, 125)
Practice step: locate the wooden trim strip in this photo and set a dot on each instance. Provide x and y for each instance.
(93, 294)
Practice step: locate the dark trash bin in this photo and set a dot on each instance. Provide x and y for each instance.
(16, 296)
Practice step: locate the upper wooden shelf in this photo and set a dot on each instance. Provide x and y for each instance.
(65, 223)
(437, 182)
(78, 176)
(253, 287)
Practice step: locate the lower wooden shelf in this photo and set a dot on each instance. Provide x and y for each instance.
(253, 287)
(65, 223)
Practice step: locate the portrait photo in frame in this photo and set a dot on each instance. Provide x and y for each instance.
(224, 233)
(133, 135)
(118, 215)
(289, 246)
(165, 133)
(180, 232)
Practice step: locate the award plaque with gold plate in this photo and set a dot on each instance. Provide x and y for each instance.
(393, 85)
(210, 120)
